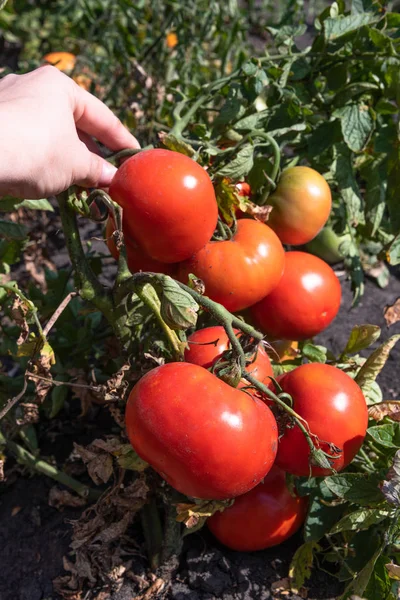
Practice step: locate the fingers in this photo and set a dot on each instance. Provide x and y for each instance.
(96, 119)
(91, 170)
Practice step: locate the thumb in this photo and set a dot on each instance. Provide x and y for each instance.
(92, 170)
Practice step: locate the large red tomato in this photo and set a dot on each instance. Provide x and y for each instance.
(240, 271)
(335, 409)
(169, 203)
(304, 302)
(137, 259)
(203, 352)
(301, 205)
(266, 516)
(206, 438)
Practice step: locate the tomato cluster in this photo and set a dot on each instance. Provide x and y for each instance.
(215, 437)
(169, 217)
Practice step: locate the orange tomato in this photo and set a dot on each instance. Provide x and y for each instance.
(64, 61)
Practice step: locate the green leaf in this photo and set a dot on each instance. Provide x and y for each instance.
(128, 459)
(360, 489)
(374, 394)
(360, 582)
(391, 485)
(176, 145)
(315, 353)
(232, 109)
(12, 231)
(357, 125)
(320, 519)
(58, 396)
(240, 165)
(361, 337)
(375, 363)
(387, 435)
(336, 28)
(178, 308)
(301, 564)
(380, 40)
(324, 136)
(9, 203)
(343, 171)
(375, 194)
(360, 519)
(10, 251)
(393, 185)
(380, 585)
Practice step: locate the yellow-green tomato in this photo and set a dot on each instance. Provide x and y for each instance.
(301, 205)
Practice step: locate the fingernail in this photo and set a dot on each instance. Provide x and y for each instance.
(107, 173)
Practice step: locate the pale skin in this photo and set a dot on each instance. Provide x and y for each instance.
(46, 135)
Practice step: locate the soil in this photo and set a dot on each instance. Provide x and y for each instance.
(34, 537)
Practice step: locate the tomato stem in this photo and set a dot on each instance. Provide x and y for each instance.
(26, 458)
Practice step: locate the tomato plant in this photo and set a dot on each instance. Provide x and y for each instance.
(301, 205)
(137, 259)
(265, 516)
(206, 438)
(169, 203)
(305, 301)
(336, 412)
(240, 271)
(202, 351)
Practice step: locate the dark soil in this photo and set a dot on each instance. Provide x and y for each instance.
(34, 537)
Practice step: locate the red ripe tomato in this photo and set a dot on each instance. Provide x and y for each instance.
(137, 260)
(266, 516)
(169, 203)
(243, 188)
(202, 352)
(206, 438)
(305, 301)
(335, 409)
(240, 271)
(301, 205)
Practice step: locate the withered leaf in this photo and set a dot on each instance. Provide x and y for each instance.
(115, 530)
(196, 514)
(60, 498)
(393, 570)
(19, 311)
(388, 408)
(391, 485)
(100, 468)
(391, 312)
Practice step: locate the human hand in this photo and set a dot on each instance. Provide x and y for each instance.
(46, 124)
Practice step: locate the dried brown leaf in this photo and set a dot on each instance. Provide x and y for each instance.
(393, 570)
(30, 414)
(60, 498)
(388, 408)
(100, 468)
(19, 310)
(196, 514)
(153, 591)
(116, 530)
(117, 386)
(391, 312)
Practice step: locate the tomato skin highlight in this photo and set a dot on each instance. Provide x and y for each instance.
(305, 301)
(264, 517)
(201, 352)
(137, 259)
(301, 205)
(205, 438)
(240, 271)
(169, 203)
(336, 411)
